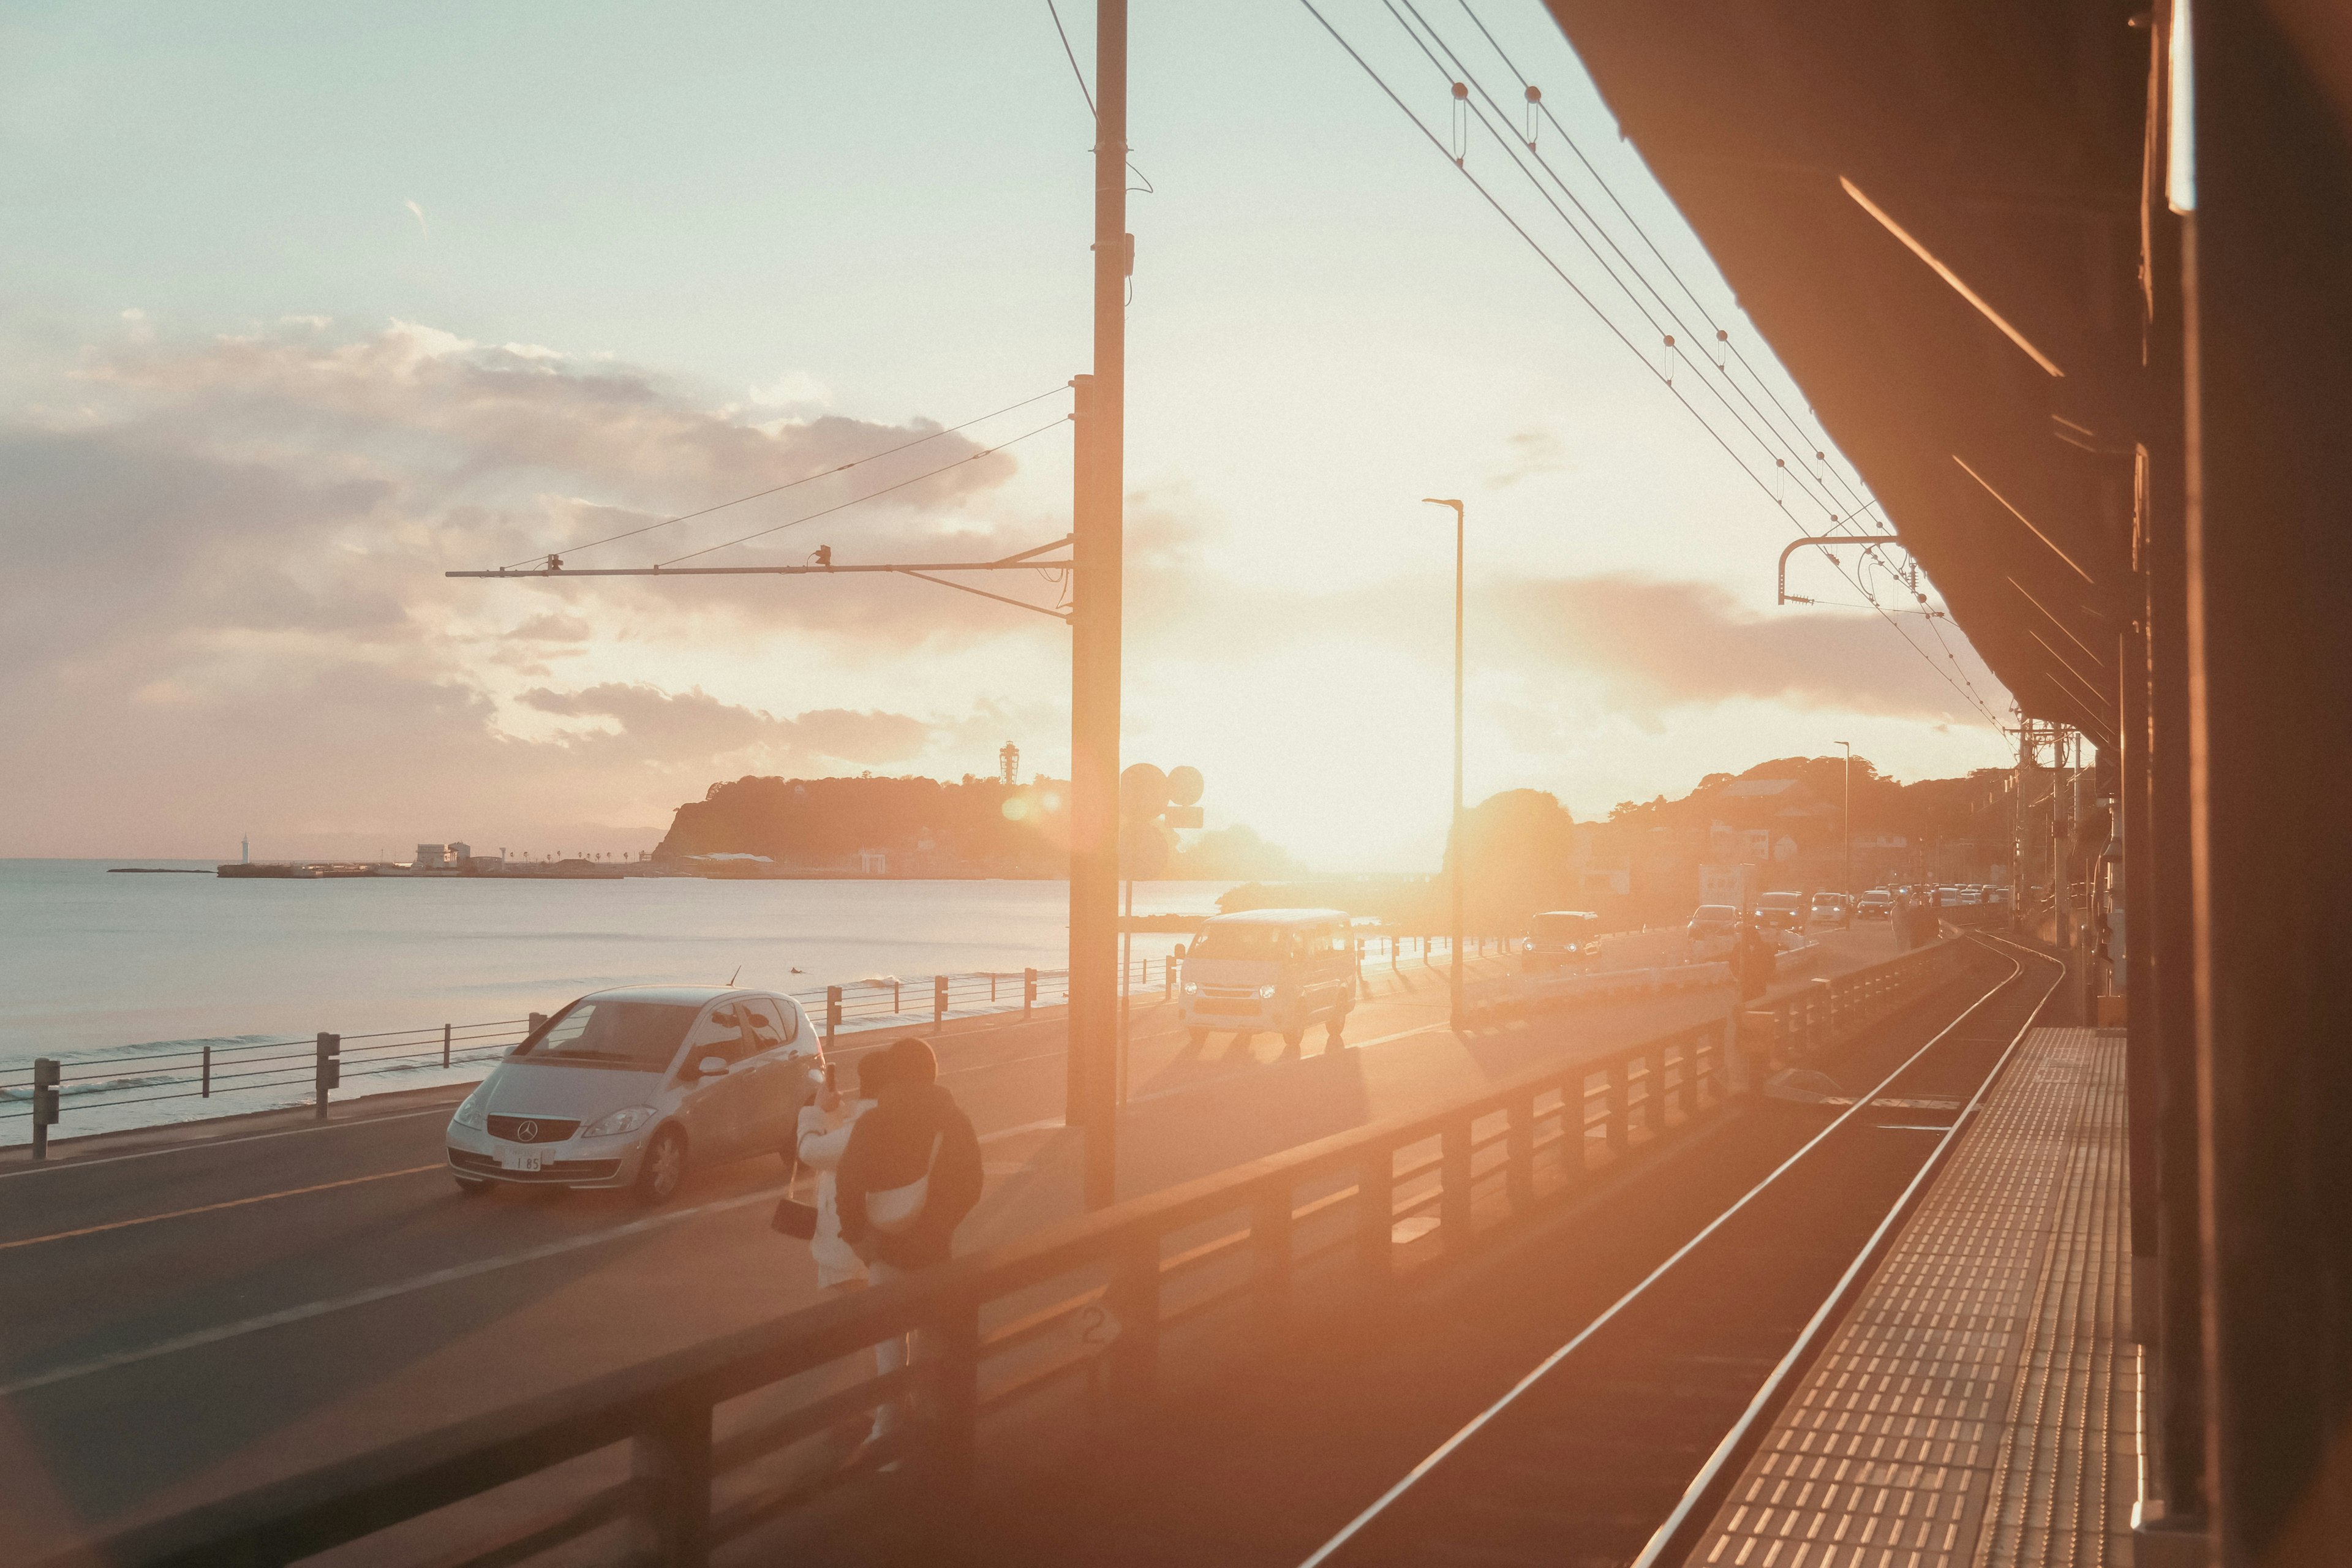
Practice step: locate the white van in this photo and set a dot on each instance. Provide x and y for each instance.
(1281, 970)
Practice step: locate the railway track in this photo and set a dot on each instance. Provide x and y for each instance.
(1610, 1449)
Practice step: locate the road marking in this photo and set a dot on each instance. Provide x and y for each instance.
(213, 1209)
(378, 1293)
(46, 1170)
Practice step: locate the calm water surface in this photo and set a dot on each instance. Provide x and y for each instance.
(89, 960)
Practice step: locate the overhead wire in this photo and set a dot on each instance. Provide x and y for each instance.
(1063, 33)
(1973, 698)
(870, 495)
(1857, 503)
(804, 479)
(1511, 146)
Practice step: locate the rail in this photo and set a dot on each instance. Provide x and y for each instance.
(1100, 1308)
(260, 1073)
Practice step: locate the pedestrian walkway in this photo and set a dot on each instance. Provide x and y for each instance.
(1976, 1408)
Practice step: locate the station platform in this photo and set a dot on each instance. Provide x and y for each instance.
(1978, 1407)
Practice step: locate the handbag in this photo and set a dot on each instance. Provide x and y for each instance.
(896, 1209)
(793, 1217)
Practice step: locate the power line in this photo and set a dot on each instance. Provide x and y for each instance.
(806, 479)
(1615, 331)
(1073, 54)
(1964, 684)
(886, 489)
(1769, 437)
(1856, 503)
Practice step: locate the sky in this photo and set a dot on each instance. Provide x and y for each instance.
(310, 304)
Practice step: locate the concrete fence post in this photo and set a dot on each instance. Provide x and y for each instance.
(445, 1045)
(832, 1015)
(1455, 1220)
(952, 1379)
(534, 1024)
(670, 1464)
(46, 1074)
(1621, 1091)
(1270, 1222)
(1376, 1218)
(206, 1092)
(1134, 1298)
(1519, 1151)
(329, 1072)
(1028, 993)
(939, 1003)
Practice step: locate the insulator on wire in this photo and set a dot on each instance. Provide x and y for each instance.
(1535, 97)
(1461, 123)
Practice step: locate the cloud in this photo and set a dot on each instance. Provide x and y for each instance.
(1530, 452)
(1654, 645)
(225, 598)
(425, 228)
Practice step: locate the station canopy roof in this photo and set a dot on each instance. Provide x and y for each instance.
(2005, 139)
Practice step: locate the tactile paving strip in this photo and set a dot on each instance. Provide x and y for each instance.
(1966, 1413)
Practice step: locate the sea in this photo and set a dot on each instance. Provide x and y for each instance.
(96, 965)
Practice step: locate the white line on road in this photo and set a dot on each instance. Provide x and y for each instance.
(378, 1293)
(223, 1142)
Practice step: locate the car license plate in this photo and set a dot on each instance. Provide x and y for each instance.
(521, 1159)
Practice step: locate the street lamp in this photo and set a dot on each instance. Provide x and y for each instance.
(1455, 937)
(1849, 814)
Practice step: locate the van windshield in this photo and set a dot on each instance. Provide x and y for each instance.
(604, 1032)
(1563, 927)
(1259, 942)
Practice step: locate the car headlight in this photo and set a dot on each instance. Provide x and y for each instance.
(1265, 992)
(1192, 988)
(475, 1111)
(626, 1119)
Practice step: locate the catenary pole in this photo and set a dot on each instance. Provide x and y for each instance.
(1095, 627)
(1454, 838)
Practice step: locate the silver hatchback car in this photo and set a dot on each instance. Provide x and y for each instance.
(631, 1087)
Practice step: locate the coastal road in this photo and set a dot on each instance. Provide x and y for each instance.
(201, 1314)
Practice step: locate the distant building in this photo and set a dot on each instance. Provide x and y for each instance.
(1008, 764)
(431, 857)
(873, 862)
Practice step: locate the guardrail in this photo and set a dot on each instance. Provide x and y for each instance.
(1097, 1310)
(253, 1069)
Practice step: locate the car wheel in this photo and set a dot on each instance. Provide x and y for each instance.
(662, 1171)
(1196, 1037)
(1292, 1037)
(471, 1186)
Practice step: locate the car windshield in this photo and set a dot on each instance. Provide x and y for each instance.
(1779, 902)
(1713, 913)
(602, 1031)
(1244, 941)
(1563, 927)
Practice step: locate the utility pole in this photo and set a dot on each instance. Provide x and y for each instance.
(1098, 551)
(1460, 848)
(1849, 818)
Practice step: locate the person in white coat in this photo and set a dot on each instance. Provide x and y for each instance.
(824, 1127)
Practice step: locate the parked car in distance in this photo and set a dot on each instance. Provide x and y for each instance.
(1781, 912)
(1561, 937)
(1878, 904)
(1282, 969)
(633, 1087)
(1833, 910)
(1710, 925)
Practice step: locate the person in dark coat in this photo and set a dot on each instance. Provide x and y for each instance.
(916, 1132)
